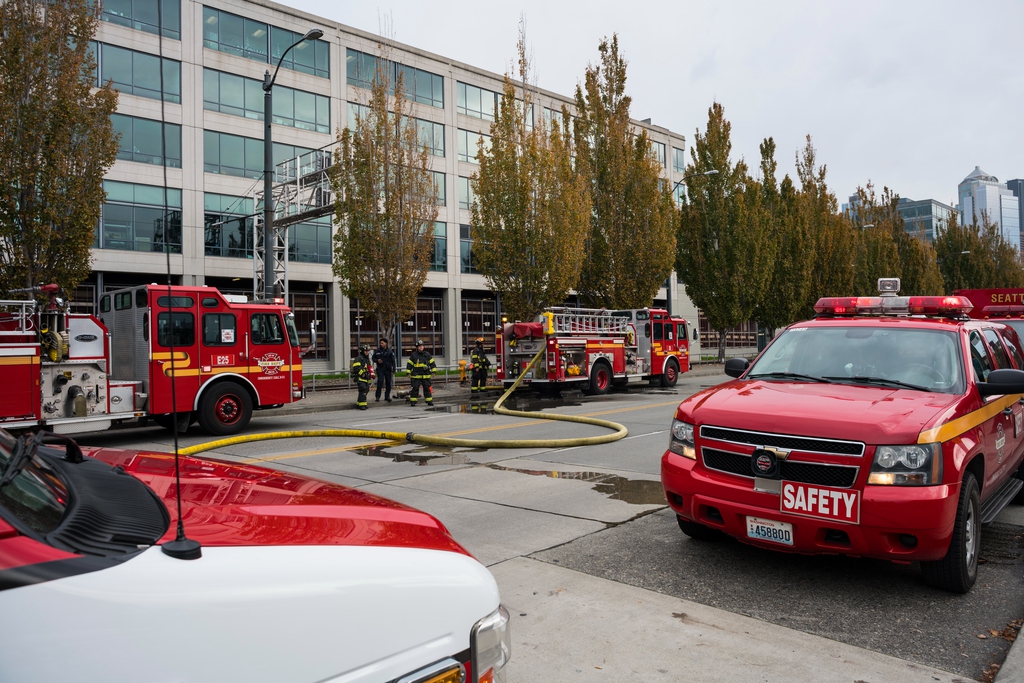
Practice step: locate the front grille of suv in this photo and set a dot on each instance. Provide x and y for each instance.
(783, 441)
(836, 476)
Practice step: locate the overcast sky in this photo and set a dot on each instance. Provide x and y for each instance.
(912, 95)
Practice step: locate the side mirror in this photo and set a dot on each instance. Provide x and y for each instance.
(734, 367)
(696, 335)
(1002, 382)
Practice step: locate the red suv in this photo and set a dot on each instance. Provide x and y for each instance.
(887, 427)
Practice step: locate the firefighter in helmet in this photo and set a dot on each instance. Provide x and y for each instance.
(363, 374)
(420, 366)
(479, 363)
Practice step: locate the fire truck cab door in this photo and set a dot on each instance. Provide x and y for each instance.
(269, 357)
(176, 323)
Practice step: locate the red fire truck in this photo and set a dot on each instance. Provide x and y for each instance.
(1005, 305)
(595, 348)
(75, 373)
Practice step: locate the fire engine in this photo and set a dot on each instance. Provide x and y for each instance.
(75, 372)
(595, 348)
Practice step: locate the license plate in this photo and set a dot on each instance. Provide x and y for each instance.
(769, 530)
(822, 502)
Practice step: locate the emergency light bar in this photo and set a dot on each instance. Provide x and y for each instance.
(1005, 310)
(894, 305)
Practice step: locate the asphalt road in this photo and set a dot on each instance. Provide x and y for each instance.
(600, 511)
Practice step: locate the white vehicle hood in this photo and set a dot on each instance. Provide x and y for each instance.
(343, 614)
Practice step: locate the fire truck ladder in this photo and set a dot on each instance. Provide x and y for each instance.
(597, 321)
(301, 192)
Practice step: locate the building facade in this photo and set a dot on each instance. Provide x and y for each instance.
(925, 218)
(981, 194)
(1016, 186)
(190, 115)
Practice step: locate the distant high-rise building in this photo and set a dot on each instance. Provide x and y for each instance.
(924, 217)
(981, 193)
(1017, 188)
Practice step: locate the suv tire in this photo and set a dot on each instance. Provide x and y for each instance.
(698, 531)
(958, 570)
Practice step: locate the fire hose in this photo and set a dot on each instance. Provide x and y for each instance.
(619, 431)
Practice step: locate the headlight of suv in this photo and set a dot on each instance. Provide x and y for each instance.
(491, 647)
(916, 465)
(681, 441)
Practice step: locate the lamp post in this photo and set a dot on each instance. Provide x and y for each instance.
(268, 167)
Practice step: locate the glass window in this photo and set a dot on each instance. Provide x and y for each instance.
(466, 250)
(267, 329)
(439, 262)
(105, 304)
(228, 225)
(657, 331)
(980, 359)
(142, 15)
(420, 86)
(431, 135)
(1011, 347)
(140, 218)
(181, 331)
(235, 35)
(234, 155)
(868, 356)
(678, 160)
(469, 145)
(122, 301)
(141, 299)
(658, 152)
(998, 351)
(141, 140)
(137, 73)
(310, 242)
(679, 193)
(35, 496)
(681, 331)
(176, 302)
(466, 197)
(477, 102)
(439, 188)
(218, 329)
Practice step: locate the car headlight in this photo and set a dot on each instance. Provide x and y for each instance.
(681, 441)
(491, 647)
(914, 465)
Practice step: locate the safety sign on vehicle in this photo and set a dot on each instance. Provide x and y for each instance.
(841, 505)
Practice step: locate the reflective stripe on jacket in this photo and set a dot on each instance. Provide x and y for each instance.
(479, 358)
(420, 365)
(361, 368)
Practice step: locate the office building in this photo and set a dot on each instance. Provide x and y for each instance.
(981, 194)
(924, 218)
(193, 73)
(1017, 188)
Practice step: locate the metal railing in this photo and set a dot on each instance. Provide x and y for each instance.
(587, 321)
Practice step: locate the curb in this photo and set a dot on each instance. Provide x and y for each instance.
(1012, 668)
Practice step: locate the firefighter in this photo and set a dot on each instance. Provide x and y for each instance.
(479, 363)
(361, 371)
(384, 360)
(420, 366)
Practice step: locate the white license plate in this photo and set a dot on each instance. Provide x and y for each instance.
(769, 530)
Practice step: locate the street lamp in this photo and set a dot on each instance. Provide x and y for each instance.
(682, 180)
(268, 167)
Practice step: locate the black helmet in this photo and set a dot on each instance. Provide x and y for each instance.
(419, 342)
(364, 347)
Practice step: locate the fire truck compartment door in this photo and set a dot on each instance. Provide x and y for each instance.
(88, 338)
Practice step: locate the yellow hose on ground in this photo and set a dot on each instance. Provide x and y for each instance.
(619, 431)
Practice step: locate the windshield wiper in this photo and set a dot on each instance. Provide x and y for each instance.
(23, 453)
(881, 381)
(789, 375)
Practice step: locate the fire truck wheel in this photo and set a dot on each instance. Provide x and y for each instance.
(670, 375)
(166, 421)
(958, 570)
(600, 379)
(225, 409)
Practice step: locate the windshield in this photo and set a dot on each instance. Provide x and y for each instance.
(35, 496)
(928, 360)
(293, 334)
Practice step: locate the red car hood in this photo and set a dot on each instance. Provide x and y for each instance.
(874, 415)
(225, 503)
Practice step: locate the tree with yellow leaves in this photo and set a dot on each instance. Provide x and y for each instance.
(531, 211)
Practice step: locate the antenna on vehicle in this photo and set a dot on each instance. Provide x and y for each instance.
(182, 547)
